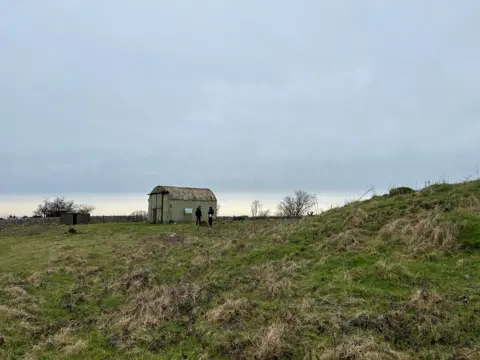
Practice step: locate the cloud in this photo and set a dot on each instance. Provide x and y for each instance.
(114, 97)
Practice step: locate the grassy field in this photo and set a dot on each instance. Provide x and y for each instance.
(394, 277)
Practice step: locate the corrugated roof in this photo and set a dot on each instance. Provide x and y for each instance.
(185, 193)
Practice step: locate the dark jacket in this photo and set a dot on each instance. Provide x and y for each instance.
(198, 212)
(210, 212)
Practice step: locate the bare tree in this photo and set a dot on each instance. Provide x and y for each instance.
(53, 208)
(217, 209)
(254, 208)
(141, 215)
(84, 209)
(263, 212)
(297, 205)
(257, 209)
(58, 205)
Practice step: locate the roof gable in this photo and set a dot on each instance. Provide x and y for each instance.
(185, 193)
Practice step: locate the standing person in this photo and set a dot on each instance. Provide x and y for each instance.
(210, 216)
(198, 214)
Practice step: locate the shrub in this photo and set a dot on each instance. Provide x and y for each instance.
(403, 190)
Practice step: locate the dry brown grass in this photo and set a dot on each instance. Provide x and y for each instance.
(232, 344)
(16, 313)
(17, 303)
(64, 343)
(355, 348)
(426, 299)
(422, 231)
(76, 348)
(269, 342)
(347, 240)
(151, 246)
(228, 244)
(469, 354)
(155, 305)
(202, 260)
(272, 281)
(230, 310)
(146, 306)
(133, 281)
(19, 293)
(389, 270)
(473, 201)
(358, 217)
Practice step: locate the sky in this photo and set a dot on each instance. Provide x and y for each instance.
(253, 99)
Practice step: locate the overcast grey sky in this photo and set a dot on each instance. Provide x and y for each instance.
(118, 96)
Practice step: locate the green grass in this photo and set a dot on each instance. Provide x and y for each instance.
(393, 277)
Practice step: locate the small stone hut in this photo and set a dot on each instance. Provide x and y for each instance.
(74, 218)
(178, 204)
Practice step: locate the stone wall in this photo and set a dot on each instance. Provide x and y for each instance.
(114, 218)
(30, 221)
(93, 220)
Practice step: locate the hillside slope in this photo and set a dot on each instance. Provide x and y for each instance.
(388, 278)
